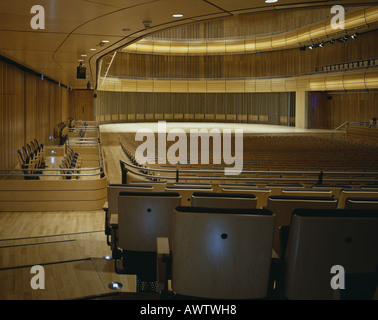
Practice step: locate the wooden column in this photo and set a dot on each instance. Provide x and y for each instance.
(301, 109)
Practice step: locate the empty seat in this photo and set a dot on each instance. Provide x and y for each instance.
(221, 253)
(158, 186)
(262, 194)
(321, 239)
(142, 217)
(224, 200)
(360, 193)
(336, 189)
(187, 191)
(283, 206)
(361, 203)
(111, 207)
(276, 189)
(307, 192)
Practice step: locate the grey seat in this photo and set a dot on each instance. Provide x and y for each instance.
(111, 207)
(361, 203)
(283, 206)
(321, 239)
(221, 253)
(224, 200)
(143, 217)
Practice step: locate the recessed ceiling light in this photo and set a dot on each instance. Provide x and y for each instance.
(271, 1)
(105, 41)
(177, 15)
(92, 49)
(83, 55)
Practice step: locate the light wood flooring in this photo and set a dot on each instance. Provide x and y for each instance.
(71, 246)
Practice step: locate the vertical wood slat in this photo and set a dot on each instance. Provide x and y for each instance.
(29, 109)
(219, 106)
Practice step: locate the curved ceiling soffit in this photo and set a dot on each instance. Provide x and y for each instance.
(355, 20)
(366, 79)
(104, 48)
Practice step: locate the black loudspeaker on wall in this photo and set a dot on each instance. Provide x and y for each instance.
(81, 72)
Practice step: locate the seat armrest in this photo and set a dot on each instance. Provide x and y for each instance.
(114, 220)
(162, 246)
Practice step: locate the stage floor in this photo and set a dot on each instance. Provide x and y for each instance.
(186, 126)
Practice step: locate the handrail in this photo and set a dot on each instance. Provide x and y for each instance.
(76, 172)
(339, 127)
(319, 179)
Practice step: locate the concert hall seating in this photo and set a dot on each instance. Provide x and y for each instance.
(261, 194)
(142, 217)
(62, 130)
(215, 253)
(158, 186)
(361, 203)
(306, 192)
(321, 239)
(187, 191)
(283, 206)
(361, 193)
(224, 200)
(69, 163)
(32, 157)
(111, 206)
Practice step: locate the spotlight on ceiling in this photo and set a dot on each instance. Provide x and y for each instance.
(354, 36)
(331, 41)
(321, 44)
(311, 47)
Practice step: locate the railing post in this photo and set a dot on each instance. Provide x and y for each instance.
(320, 178)
(124, 173)
(177, 176)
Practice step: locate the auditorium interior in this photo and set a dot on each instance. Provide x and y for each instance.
(174, 150)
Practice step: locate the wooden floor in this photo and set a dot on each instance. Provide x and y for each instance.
(71, 247)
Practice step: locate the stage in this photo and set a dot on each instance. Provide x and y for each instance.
(247, 128)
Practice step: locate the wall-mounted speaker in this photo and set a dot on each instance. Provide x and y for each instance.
(81, 72)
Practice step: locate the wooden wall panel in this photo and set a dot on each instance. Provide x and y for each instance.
(81, 105)
(330, 110)
(12, 129)
(265, 64)
(233, 107)
(30, 108)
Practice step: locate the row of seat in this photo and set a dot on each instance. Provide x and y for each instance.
(136, 216)
(263, 191)
(70, 163)
(32, 157)
(296, 153)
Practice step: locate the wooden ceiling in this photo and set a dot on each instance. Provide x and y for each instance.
(73, 27)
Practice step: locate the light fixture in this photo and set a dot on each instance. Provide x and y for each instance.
(83, 55)
(92, 49)
(115, 285)
(354, 36)
(105, 41)
(271, 1)
(311, 47)
(177, 15)
(331, 41)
